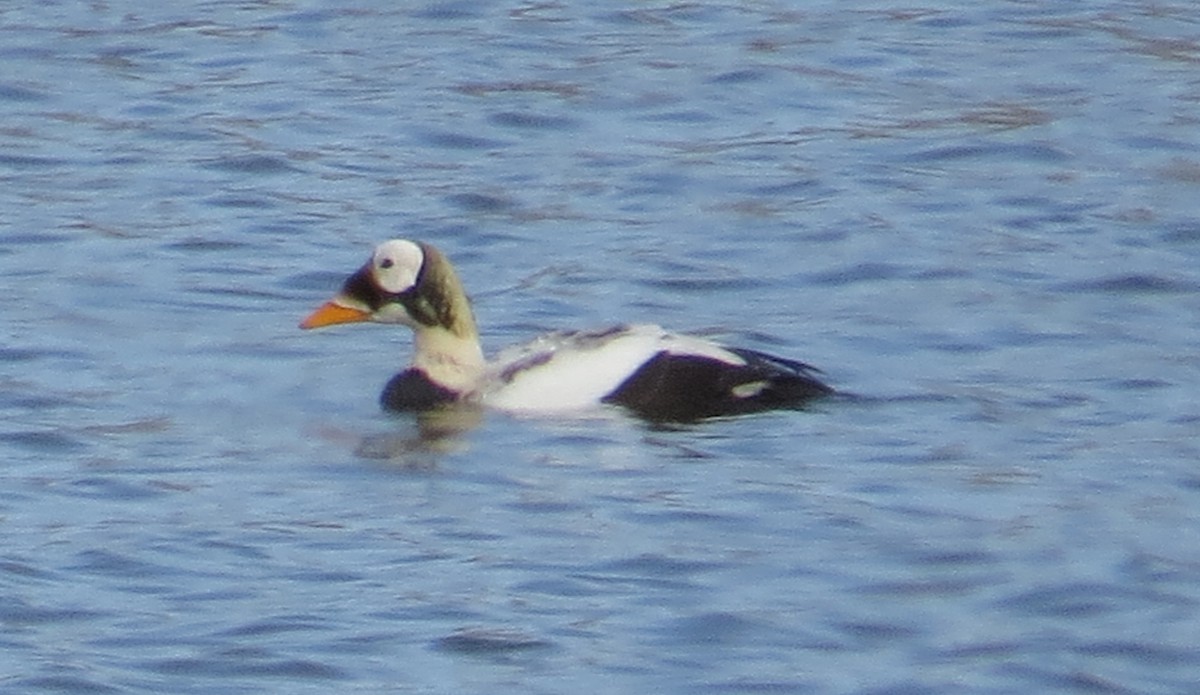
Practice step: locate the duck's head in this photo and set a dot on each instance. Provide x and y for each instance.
(405, 282)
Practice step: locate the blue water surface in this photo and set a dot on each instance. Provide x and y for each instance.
(979, 219)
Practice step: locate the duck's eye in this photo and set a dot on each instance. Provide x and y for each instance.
(386, 263)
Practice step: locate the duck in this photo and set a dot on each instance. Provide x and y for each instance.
(652, 373)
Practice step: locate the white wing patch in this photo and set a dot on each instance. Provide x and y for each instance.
(573, 371)
(749, 389)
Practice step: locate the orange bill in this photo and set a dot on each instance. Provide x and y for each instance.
(330, 313)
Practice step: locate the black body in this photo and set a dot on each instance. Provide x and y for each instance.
(682, 388)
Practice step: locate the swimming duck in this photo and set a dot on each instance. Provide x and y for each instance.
(657, 375)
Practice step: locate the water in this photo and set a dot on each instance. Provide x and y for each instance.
(980, 219)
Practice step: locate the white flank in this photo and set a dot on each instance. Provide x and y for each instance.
(573, 371)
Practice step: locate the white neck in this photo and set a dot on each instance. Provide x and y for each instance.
(455, 362)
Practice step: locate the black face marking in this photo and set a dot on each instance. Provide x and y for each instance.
(417, 306)
(361, 287)
(420, 301)
(415, 300)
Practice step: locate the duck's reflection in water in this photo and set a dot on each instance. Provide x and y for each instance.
(424, 439)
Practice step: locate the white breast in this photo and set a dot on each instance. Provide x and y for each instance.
(573, 371)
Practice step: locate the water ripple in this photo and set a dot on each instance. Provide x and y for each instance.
(490, 641)
(1134, 284)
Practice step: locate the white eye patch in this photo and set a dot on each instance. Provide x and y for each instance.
(396, 264)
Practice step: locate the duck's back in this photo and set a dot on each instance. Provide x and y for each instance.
(658, 375)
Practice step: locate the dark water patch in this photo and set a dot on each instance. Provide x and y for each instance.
(240, 201)
(944, 273)
(26, 354)
(947, 20)
(1086, 600)
(981, 650)
(18, 239)
(242, 550)
(692, 284)
(1138, 384)
(1181, 170)
(44, 441)
(143, 426)
(926, 587)
(768, 687)
(674, 516)
(251, 164)
(717, 629)
(1133, 284)
(22, 568)
(1038, 202)
(239, 664)
(563, 587)
(1146, 653)
(686, 116)
(1055, 401)
(1145, 567)
(1036, 32)
(326, 576)
(15, 611)
(1183, 233)
(277, 625)
(1005, 116)
(471, 536)
(532, 121)
(448, 11)
(661, 16)
(206, 245)
(480, 641)
(151, 111)
(1066, 221)
(1159, 143)
(1069, 680)
(177, 135)
(12, 92)
(60, 684)
(185, 602)
(481, 202)
(459, 141)
(114, 564)
(561, 89)
(657, 183)
(426, 612)
(112, 488)
(26, 161)
(653, 565)
(1016, 151)
(956, 559)
(282, 230)
(959, 347)
(875, 632)
(364, 643)
(796, 187)
(859, 273)
(632, 583)
(545, 506)
(743, 76)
